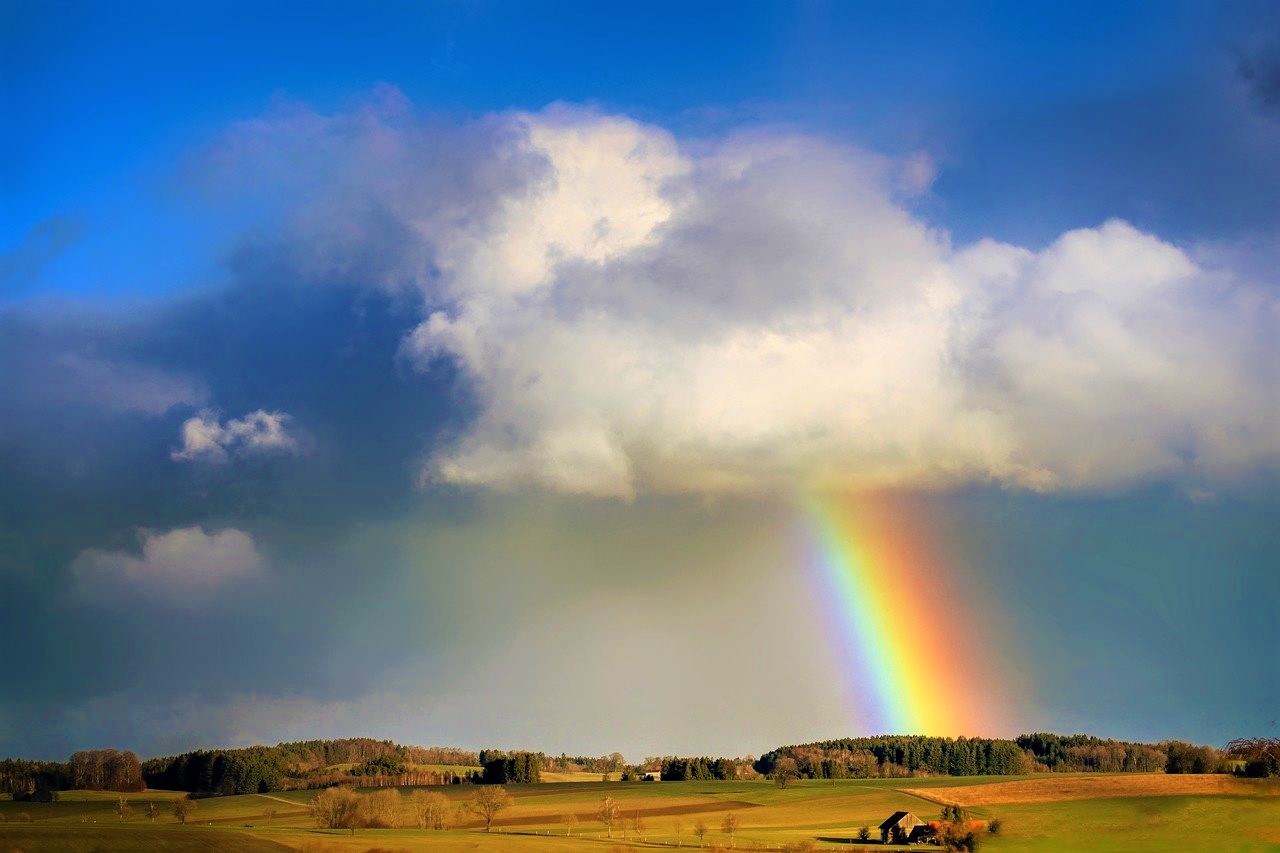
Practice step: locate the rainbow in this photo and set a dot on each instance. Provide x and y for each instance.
(911, 660)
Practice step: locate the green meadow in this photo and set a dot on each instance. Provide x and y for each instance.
(824, 814)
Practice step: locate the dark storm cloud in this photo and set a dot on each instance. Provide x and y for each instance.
(93, 398)
(84, 470)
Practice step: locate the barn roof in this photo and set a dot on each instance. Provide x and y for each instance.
(896, 818)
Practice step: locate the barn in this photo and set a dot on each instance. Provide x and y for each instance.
(900, 827)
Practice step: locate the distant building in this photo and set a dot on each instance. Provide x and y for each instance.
(900, 827)
(651, 776)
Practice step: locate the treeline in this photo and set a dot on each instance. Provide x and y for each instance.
(892, 755)
(1188, 758)
(899, 756)
(500, 768)
(1085, 753)
(305, 764)
(602, 764)
(675, 769)
(254, 770)
(90, 770)
(33, 781)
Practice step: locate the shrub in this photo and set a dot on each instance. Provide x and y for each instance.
(995, 825)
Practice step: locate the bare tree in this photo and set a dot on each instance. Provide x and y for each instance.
(269, 813)
(729, 826)
(785, 770)
(700, 830)
(381, 809)
(337, 808)
(124, 809)
(638, 826)
(570, 820)
(183, 808)
(608, 813)
(864, 834)
(152, 812)
(430, 809)
(678, 827)
(486, 802)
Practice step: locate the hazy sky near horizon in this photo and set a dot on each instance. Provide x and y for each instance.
(458, 372)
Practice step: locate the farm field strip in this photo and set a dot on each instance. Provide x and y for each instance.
(1046, 790)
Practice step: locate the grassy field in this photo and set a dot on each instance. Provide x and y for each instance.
(1094, 812)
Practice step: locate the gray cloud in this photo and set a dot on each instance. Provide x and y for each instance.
(54, 364)
(182, 566)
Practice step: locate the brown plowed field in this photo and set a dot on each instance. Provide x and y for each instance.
(589, 817)
(1051, 789)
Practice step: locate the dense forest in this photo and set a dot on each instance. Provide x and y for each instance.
(308, 764)
(500, 768)
(702, 767)
(893, 755)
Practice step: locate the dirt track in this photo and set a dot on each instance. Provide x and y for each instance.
(1050, 789)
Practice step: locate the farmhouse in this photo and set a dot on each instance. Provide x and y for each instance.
(900, 827)
(652, 776)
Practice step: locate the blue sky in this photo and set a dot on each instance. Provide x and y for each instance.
(1091, 88)
(363, 308)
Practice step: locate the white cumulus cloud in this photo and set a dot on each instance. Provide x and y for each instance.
(766, 311)
(767, 314)
(205, 438)
(184, 565)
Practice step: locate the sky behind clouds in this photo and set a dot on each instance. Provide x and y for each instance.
(352, 376)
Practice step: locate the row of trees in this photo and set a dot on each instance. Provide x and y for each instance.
(106, 770)
(612, 763)
(1085, 753)
(344, 808)
(501, 768)
(92, 770)
(894, 755)
(681, 769)
(36, 781)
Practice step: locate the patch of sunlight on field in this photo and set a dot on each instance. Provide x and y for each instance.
(1140, 824)
(113, 796)
(570, 776)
